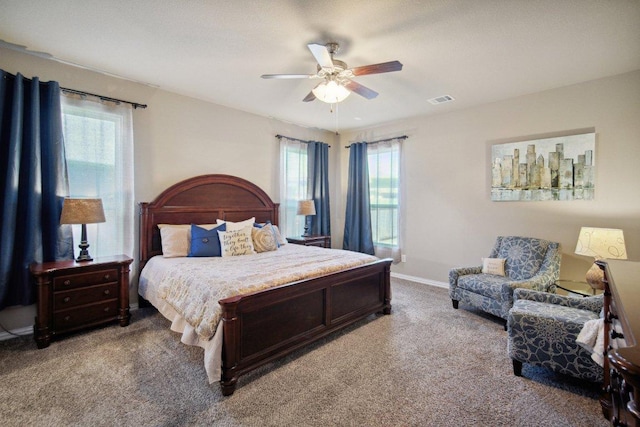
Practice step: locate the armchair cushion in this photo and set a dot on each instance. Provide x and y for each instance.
(593, 303)
(523, 255)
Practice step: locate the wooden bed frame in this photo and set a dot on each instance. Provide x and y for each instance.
(261, 327)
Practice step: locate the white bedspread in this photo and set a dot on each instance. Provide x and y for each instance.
(187, 290)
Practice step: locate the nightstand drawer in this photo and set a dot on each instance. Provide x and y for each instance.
(69, 319)
(68, 299)
(62, 283)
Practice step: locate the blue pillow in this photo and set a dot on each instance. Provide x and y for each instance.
(205, 243)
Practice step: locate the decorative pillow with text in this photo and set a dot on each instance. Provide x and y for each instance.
(236, 242)
(493, 266)
(231, 226)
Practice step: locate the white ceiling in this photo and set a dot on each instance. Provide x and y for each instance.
(477, 51)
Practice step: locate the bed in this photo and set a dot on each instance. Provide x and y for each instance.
(262, 326)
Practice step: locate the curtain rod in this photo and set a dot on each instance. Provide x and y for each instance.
(382, 140)
(103, 98)
(296, 139)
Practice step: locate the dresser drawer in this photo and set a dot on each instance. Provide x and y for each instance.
(75, 297)
(69, 319)
(61, 283)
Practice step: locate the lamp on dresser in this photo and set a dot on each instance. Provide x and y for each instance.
(306, 208)
(600, 243)
(82, 211)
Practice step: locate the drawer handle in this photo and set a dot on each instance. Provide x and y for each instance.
(67, 282)
(107, 277)
(107, 292)
(106, 309)
(66, 299)
(67, 318)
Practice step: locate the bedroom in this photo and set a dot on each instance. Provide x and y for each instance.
(451, 218)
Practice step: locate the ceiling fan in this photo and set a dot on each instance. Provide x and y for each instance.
(336, 82)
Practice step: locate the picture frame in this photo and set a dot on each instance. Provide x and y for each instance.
(557, 168)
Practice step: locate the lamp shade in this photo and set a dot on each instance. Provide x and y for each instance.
(82, 211)
(306, 207)
(331, 92)
(601, 243)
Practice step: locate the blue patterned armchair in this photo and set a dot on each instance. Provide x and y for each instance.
(529, 263)
(543, 328)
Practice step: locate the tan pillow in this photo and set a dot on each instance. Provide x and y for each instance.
(176, 238)
(236, 242)
(493, 266)
(232, 226)
(264, 239)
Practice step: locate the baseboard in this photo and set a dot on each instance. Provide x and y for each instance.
(421, 280)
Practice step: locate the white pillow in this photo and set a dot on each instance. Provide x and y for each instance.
(232, 226)
(176, 238)
(493, 266)
(236, 242)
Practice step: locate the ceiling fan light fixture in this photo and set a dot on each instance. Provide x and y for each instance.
(331, 92)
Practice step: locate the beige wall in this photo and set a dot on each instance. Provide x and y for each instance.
(176, 137)
(450, 219)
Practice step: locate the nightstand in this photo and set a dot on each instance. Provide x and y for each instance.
(77, 295)
(317, 240)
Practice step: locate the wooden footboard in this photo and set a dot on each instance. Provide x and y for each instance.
(261, 327)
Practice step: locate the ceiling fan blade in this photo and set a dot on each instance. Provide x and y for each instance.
(309, 97)
(321, 54)
(361, 90)
(384, 67)
(288, 76)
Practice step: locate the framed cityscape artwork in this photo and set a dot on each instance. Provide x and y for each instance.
(560, 168)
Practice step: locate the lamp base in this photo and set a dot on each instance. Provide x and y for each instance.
(84, 251)
(595, 276)
(306, 226)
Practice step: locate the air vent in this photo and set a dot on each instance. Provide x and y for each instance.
(441, 99)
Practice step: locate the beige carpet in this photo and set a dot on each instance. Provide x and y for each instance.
(425, 365)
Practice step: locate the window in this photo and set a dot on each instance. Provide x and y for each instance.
(384, 190)
(98, 141)
(293, 185)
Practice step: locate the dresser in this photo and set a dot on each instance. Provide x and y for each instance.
(77, 295)
(317, 240)
(621, 386)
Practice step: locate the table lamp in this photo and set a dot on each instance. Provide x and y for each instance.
(306, 208)
(82, 211)
(600, 243)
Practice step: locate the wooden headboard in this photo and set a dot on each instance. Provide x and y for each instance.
(202, 200)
